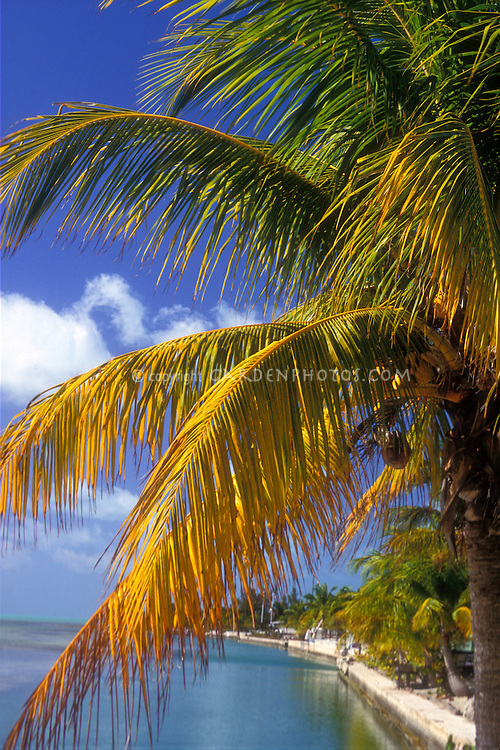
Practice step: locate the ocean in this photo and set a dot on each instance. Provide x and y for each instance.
(256, 697)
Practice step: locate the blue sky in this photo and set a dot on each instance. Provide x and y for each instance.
(64, 310)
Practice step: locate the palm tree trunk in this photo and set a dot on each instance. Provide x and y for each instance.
(430, 672)
(457, 686)
(483, 551)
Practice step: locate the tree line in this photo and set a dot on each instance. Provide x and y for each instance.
(412, 609)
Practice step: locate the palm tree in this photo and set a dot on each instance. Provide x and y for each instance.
(318, 604)
(333, 619)
(442, 592)
(364, 200)
(380, 614)
(295, 613)
(438, 584)
(415, 598)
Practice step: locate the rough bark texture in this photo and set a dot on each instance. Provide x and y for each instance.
(471, 496)
(483, 551)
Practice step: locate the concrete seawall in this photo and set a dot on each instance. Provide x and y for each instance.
(425, 724)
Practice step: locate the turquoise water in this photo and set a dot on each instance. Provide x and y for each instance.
(258, 697)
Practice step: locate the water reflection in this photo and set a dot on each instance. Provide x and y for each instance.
(258, 697)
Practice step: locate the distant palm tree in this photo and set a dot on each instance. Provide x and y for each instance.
(436, 584)
(380, 614)
(333, 620)
(415, 598)
(295, 613)
(319, 603)
(366, 202)
(441, 591)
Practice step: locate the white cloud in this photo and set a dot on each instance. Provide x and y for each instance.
(182, 321)
(114, 294)
(78, 550)
(177, 321)
(115, 506)
(226, 316)
(41, 347)
(76, 561)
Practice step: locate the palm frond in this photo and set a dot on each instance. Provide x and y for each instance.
(255, 479)
(248, 430)
(364, 70)
(345, 67)
(461, 618)
(183, 596)
(374, 509)
(79, 436)
(428, 610)
(194, 572)
(116, 172)
(429, 239)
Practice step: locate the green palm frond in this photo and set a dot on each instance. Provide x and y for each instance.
(115, 172)
(429, 235)
(364, 70)
(244, 52)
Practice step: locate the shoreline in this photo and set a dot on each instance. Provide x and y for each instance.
(424, 723)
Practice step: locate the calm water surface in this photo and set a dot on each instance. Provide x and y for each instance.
(258, 697)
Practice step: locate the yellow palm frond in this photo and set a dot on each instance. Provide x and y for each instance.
(256, 478)
(80, 434)
(462, 619)
(188, 581)
(219, 512)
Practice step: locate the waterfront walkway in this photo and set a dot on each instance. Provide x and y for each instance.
(427, 724)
